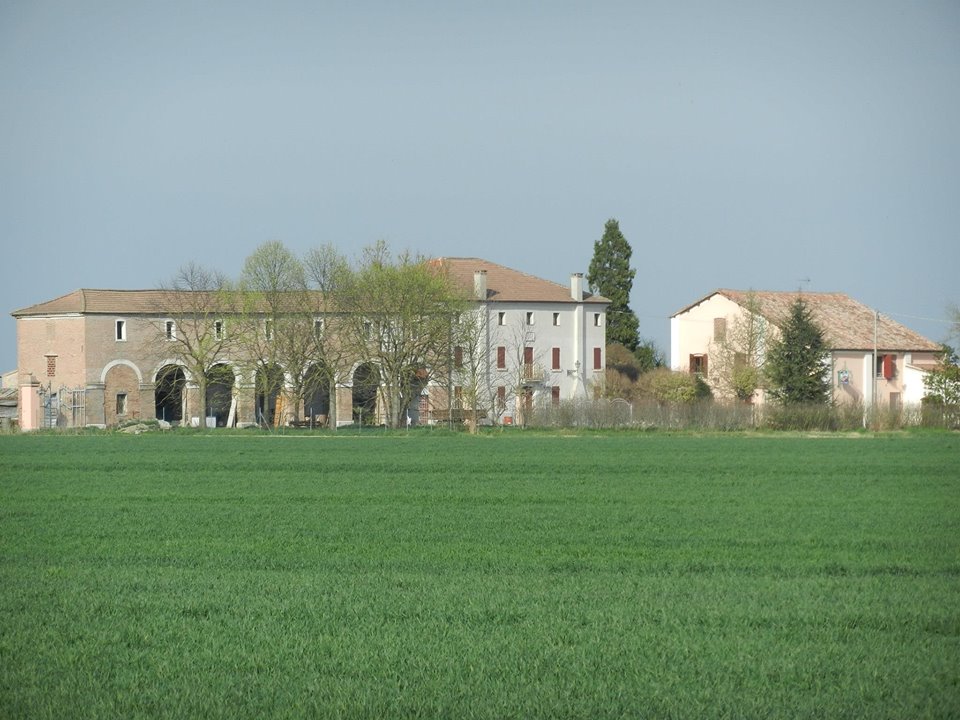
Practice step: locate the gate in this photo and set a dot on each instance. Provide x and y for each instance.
(65, 407)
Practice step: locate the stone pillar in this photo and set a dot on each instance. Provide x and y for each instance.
(94, 405)
(30, 410)
(344, 405)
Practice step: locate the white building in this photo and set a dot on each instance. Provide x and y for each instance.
(544, 341)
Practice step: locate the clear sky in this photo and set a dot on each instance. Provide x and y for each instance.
(765, 145)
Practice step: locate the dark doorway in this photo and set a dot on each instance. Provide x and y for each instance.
(169, 384)
(366, 382)
(220, 380)
(316, 400)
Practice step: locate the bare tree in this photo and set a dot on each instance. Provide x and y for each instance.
(472, 363)
(191, 326)
(278, 330)
(328, 274)
(524, 367)
(398, 317)
(737, 352)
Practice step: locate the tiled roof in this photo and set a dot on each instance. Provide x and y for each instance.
(131, 302)
(846, 323)
(503, 285)
(507, 285)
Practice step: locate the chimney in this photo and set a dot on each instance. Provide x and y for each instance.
(576, 286)
(480, 284)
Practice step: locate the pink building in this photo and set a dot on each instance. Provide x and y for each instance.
(872, 357)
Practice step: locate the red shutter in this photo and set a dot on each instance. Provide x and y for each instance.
(888, 367)
(458, 357)
(556, 358)
(555, 394)
(528, 356)
(501, 357)
(597, 359)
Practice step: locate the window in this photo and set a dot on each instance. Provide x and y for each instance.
(887, 366)
(170, 330)
(318, 328)
(501, 358)
(458, 396)
(121, 332)
(597, 319)
(501, 318)
(51, 365)
(698, 364)
(268, 329)
(528, 356)
(458, 357)
(121, 403)
(719, 329)
(555, 394)
(598, 358)
(529, 317)
(501, 398)
(556, 319)
(556, 359)
(218, 329)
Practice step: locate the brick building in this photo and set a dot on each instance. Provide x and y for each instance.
(99, 357)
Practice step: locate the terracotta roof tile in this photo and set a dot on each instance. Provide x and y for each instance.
(507, 285)
(846, 323)
(90, 301)
(503, 285)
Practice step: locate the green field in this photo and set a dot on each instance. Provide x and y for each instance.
(509, 575)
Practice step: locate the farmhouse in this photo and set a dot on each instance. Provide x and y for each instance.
(101, 357)
(872, 358)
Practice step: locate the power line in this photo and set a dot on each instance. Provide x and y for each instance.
(945, 321)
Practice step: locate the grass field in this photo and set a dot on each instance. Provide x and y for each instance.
(515, 575)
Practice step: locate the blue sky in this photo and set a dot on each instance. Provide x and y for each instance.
(747, 145)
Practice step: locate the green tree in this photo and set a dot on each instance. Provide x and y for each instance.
(610, 275)
(194, 302)
(621, 374)
(327, 273)
(942, 386)
(399, 317)
(795, 366)
(666, 387)
(648, 355)
(277, 322)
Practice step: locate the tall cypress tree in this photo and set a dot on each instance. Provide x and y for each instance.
(610, 275)
(795, 364)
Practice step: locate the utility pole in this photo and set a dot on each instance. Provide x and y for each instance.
(873, 375)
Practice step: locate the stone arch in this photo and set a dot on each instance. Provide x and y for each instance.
(121, 392)
(114, 363)
(178, 363)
